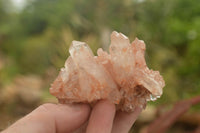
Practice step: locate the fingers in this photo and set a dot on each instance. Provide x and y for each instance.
(52, 118)
(123, 121)
(101, 118)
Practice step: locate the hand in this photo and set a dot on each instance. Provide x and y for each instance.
(52, 118)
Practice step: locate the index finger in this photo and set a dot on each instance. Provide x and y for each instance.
(101, 118)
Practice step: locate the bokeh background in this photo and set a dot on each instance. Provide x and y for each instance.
(35, 36)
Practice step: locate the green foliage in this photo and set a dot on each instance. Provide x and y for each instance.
(39, 36)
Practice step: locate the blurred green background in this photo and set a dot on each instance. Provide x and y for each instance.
(35, 36)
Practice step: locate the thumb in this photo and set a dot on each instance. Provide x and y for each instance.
(52, 118)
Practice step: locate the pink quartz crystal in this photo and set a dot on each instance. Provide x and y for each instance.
(121, 76)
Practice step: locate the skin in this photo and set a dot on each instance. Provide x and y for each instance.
(57, 118)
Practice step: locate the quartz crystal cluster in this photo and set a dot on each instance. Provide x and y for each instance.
(120, 76)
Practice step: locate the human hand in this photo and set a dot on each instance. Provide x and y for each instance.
(61, 118)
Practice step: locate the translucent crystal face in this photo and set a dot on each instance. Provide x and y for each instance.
(121, 76)
(76, 48)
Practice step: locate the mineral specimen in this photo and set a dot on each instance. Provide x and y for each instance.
(121, 76)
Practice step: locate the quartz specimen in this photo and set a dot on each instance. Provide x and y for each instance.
(121, 76)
